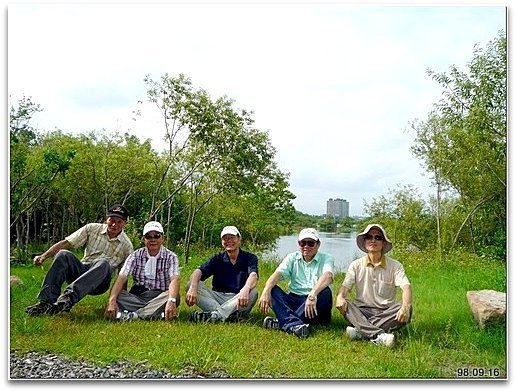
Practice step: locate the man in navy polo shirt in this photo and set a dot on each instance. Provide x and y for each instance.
(235, 274)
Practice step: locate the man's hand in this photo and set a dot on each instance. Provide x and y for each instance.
(310, 306)
(265, 301)
(403, 314)
(111, 310)
(191, 296)
(243, 298)
(38, 260)
(342, 305)
(170, 311)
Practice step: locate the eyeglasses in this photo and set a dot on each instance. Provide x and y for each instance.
(376, 237)
(308, 243)
(153, 236)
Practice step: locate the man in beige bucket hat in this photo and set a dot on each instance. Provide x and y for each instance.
(375, 312)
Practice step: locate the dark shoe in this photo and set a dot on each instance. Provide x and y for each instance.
(63, 304)
(301, 331)
(41, 308)
(235, 317)
(198, 316)
(270, 323)
(126, 316)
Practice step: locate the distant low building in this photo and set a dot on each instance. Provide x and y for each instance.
(338, 208)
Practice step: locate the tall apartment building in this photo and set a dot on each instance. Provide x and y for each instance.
(337, 207)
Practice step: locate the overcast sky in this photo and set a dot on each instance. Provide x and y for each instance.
(334, 85)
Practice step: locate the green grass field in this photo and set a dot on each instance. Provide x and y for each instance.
(442, 342)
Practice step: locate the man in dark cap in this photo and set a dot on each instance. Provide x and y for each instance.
(375, 312)
(106, 246)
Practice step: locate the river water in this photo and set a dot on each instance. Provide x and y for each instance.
(343, 247)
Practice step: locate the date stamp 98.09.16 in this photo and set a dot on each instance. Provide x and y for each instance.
(479, 372)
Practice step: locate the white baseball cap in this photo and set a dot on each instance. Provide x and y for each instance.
(152, 226)
(308, 233)
(229, 230)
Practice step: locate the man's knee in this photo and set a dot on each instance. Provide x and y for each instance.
(103, 265)
(63, 257)
(276, 291)
(325, 295)
(63, 252)
(253, 295)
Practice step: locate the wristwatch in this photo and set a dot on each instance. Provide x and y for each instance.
(311, 297)
(172, 299)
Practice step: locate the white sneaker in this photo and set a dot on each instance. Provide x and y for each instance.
(353, 333)
(384, 339)
(126, 316)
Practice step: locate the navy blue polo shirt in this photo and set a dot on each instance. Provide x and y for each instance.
(229, 277)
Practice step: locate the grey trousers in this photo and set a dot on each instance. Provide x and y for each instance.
(225, 304)
(147, 305)
(371, 322)
(82, 279)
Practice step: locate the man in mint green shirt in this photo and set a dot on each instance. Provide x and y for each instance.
(309, 297)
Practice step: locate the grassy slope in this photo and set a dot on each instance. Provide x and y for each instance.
(442, 337)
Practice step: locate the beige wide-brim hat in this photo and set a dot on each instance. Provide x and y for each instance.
(387, 246)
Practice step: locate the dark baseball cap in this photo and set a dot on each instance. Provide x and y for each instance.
(119, 211)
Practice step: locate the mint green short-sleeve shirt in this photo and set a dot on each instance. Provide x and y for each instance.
(303, 276)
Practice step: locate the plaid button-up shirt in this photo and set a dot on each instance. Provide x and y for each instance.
(167, 266)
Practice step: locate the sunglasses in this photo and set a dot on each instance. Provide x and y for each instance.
(308, 243)
(376, 237)
(153, 236)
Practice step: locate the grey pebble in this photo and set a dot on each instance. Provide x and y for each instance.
(34, 365)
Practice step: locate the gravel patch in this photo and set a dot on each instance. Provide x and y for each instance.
(33, 365)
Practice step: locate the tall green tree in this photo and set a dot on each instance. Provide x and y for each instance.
(215, 148)
(33, 170)
(218, 168)
(464, 144)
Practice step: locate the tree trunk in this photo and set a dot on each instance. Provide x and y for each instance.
(189, 222)
(64, 226)
(438, 214)
(47, 221)
(469, 216)
(472, 236)
(169, 215)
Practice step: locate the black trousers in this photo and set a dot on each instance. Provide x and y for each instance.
(82, 279)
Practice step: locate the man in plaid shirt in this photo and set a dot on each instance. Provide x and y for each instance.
(155, 290)
(106, 246)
